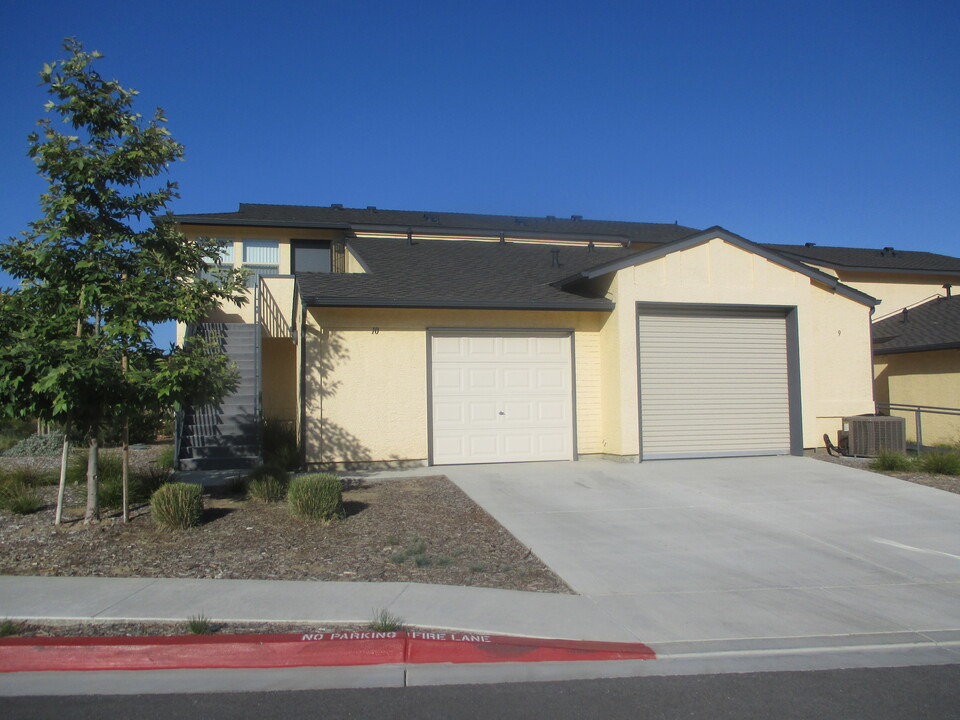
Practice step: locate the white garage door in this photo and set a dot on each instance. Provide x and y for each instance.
(713, 382)
(501, 398)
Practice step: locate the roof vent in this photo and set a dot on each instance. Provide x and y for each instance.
(590, 246)
(809, 244)
(949, 288)
(551, 217)
(555, 258)
(503, 240)
(905, 317)
(372, 208)
(889, 251)
(576, 217)
(337, 206)
(409, 242)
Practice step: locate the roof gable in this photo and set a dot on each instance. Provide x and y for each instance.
(699, 238)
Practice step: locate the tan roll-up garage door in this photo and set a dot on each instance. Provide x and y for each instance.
(501, 397)
(713, 382)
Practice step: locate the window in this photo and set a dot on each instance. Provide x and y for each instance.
(310, 256)
(261, 257)
(226, 254)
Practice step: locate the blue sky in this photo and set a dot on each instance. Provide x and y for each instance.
(829, 122)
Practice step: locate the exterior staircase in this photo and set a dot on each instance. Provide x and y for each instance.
(226, 436)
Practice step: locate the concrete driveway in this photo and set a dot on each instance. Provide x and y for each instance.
(775, 547)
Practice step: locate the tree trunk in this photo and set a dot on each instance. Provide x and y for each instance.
(93, 479)
(126, 468)
(64, 461)
(125, 473)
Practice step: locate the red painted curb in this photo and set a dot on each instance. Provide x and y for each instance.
(307, 650)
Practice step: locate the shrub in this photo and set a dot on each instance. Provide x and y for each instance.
(267, 483)
(280, 444)
(9, 628)
(891, 461)
(939, 463)
(199, 625)
(144, 484)
(165, 458)
(37, 446)
(18, 497)
(29, 476)
(110, 470)
(384, 621)
(317, 497)
(177, 505)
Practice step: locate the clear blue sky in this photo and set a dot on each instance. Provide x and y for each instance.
(829, 122)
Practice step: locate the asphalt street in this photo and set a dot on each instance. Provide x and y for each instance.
(877, 693)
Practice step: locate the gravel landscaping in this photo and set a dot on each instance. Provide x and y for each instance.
(950, 483)
(406, 530)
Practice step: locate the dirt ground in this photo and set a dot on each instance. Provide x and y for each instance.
(408, 530)
(949, 483)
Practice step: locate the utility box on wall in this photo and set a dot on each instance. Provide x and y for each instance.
(869, 435)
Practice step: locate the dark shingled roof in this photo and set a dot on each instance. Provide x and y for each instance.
(438, 222)
(891, 260)
(458, 273)
(935, 325)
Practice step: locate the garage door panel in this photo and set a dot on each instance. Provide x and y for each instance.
(514, 394)
(713, 382)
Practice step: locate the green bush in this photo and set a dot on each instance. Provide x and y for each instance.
(939, 463)
(18, 497)
(177, 505)
(267, 483)
(280, 444)
(29, 476)
(144, 484)
(891, 461)
(110, 470)
(37, 446)
(316, 497)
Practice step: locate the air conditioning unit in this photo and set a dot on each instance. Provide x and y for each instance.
(869, 435)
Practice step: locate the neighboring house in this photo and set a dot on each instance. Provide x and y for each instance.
(409, 338)
(917, 362)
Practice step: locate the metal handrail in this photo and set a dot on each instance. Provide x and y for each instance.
(257, 361)
(178, 426)
(918, 410)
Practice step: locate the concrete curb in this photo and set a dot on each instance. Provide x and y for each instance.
(332, 649)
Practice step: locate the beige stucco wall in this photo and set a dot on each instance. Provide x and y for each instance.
(895, 290)
(922, 378)
(366, 377)
(834, 334)
(279, 379)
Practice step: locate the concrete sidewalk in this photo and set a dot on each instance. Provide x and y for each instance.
(718, 565)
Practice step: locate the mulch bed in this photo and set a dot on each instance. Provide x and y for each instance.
(406, 530)
(166, 629)
(949, 483)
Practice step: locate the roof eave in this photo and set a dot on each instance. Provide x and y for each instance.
(239, 222)
(860, 268)
(321, 301)
(917, 348)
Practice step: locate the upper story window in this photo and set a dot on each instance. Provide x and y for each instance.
(261, 257)
(310, 256)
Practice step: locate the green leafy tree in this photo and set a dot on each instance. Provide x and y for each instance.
(95, 273)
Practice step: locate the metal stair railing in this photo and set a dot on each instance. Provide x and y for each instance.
(918, 411)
